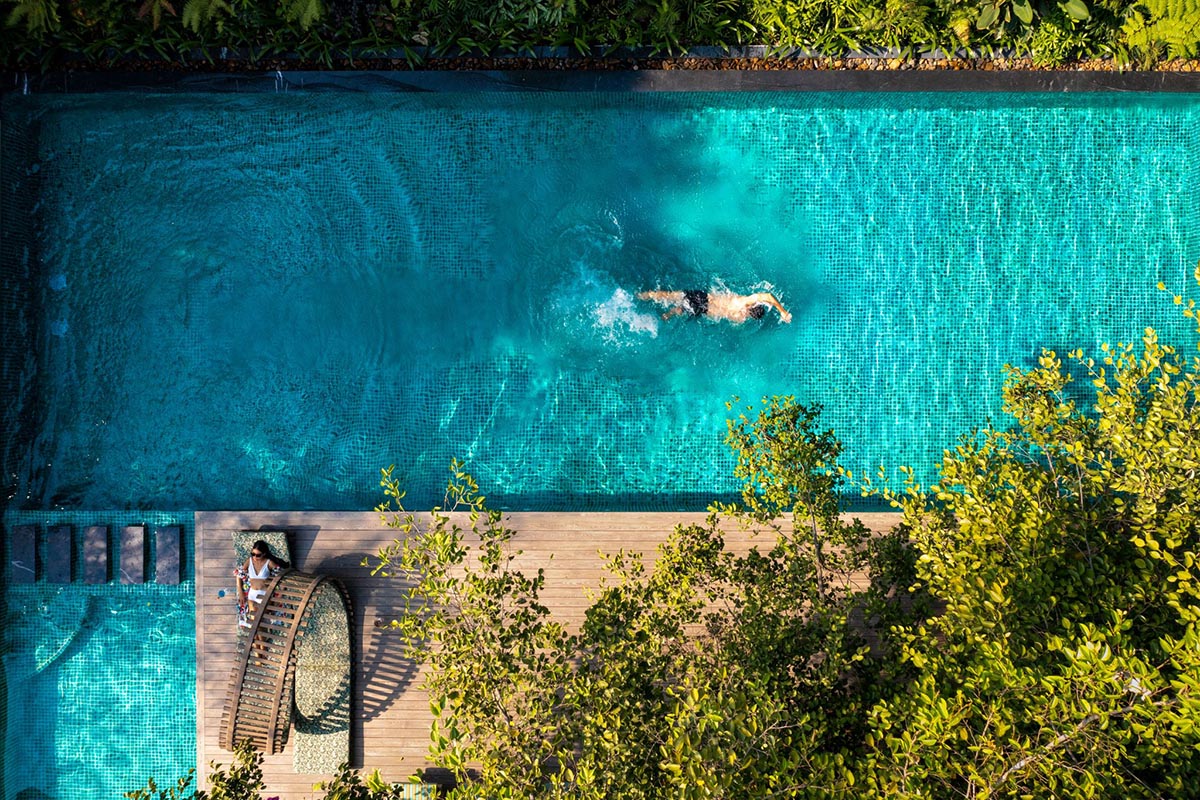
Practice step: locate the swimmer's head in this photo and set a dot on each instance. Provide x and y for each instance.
(758, 311)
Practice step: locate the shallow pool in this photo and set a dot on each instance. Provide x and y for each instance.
(100, 689)
(258, 301)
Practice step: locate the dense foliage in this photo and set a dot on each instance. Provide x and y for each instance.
(1064, 659)
(712, 673)
(51, 32)
(1030, 630)
(243, 780)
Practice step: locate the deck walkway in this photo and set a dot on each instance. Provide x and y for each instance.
(390, 715)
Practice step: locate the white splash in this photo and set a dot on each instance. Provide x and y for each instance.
(620, 315)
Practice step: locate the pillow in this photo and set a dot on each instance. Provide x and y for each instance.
(243, 541)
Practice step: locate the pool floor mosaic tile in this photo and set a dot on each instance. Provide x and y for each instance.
(259, 301)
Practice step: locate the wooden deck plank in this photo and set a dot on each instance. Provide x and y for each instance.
(390, 714)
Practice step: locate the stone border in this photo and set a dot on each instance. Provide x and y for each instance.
(881, 76)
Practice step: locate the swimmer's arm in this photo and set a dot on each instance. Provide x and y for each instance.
(769, 299)
(673, 311)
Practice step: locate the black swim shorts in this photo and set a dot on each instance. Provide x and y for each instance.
(697, 301)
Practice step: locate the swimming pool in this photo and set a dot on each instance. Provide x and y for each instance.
(101, 689)
(255, 302)
(97, 682)
(258, 301)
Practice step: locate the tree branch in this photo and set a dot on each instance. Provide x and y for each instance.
(1063, 739)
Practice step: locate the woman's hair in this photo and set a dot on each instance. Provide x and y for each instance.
(265, 548)
(757, 311)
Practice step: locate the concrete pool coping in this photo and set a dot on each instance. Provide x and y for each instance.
(633, 80)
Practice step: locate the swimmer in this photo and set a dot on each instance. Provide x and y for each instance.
(735, 308)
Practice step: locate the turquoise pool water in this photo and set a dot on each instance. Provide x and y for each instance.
(114, 705)
(258, 301)
(98, 682)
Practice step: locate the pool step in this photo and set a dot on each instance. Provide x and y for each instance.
(52, 553)
(133, 554)
(58, 554)
(22, 551)
(95, 554)
(166, 555)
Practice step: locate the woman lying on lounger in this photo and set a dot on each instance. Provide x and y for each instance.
(253, 577)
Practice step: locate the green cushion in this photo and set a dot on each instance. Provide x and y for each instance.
(321, 737)
(243, 541)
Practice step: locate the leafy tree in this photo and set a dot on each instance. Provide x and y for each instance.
(154, 9)
(498, 659)
(1065, 658)
(197, 14)
(181, 790)
(40, 16)
(348, 784)
(304, 12)
(1174, 24)
(713, 675)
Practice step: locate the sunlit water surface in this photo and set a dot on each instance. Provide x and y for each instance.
(258, 301)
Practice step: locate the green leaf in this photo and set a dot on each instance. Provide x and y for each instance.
(1077, 10)
(987, 17)
(1024, 10)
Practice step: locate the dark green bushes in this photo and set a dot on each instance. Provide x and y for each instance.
(52, 32)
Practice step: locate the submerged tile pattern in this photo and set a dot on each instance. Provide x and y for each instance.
(101, 677)
(333, 283)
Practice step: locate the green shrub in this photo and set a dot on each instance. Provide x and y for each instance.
(1173, 25)
(1064, 660)
(44, 33)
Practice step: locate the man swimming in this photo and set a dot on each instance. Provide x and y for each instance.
(735, 308)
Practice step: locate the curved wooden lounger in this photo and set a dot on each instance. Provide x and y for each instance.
(258, 706)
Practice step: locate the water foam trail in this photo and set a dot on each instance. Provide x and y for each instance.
(619, 316)
(603, 308)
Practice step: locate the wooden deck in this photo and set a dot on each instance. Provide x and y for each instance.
(390, 714)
